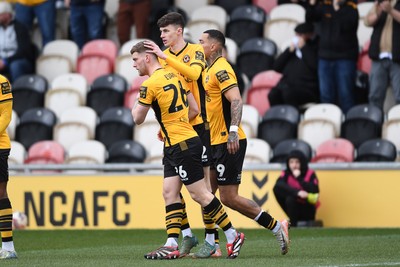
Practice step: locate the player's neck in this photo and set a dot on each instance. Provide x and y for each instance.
(212, 57)
(153, 67)
(178, 46)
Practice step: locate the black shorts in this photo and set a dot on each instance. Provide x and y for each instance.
(4, 153)
(228, 166)
(184, 159)
(203, 130)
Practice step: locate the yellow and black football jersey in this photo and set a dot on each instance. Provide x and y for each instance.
(5, 111)
(219, 78)
(191, 54)
(164, 92)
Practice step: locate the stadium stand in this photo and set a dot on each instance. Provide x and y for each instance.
(58, 57)
(320, 123)
(334, 150)
(250, 120)
(97, 58)
(257, 151)
(107, 91)
(230, 5)
(46, 151)
(278, 124)
(35, 125)
(155, 153)
(288, 11)
(282, 150)
(126, 151)
(191, 6)
(67, 91)
(281, 31)
(115, 124)
(376, 150)
(362, 122)
(213, 13)
(245, 22)
(12, 126)
(261, 85)
(130, 95)
(267, 5)
(17, 153)
(87, 152)
(256, 55)
(391, 127)
(75, 125)
(146, 133)
(28, 92)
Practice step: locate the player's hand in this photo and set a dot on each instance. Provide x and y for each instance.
(155, 49)
(233, 142)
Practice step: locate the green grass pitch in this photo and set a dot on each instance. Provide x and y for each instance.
(322, 247)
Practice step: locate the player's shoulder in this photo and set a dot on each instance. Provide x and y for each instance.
(5, 86)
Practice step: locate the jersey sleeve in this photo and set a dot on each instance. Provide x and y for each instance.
(226, 78)
(147, 93)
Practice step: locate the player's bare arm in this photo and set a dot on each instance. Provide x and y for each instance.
(233, 96)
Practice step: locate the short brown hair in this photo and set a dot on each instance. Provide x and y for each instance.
(172, 18)
(138, 47)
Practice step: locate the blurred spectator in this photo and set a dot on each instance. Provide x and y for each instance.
(133, 12)
(299, 66)
(300, 2)
(297, 189)
(86, 20)
(45, 13)
(384, 50)
(17, 53)
(338, 49)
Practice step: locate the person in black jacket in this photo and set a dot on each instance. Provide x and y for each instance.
(338, 49)
(17, 55)
(298, 64)
(297, 189)
(384, 50)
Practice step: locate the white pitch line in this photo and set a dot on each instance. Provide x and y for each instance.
(364, 264)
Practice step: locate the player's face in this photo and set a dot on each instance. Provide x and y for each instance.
(170, 34)
(206, 44)
(139, 63)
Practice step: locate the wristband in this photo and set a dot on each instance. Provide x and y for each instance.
(233, 128)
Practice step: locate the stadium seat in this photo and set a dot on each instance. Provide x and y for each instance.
(257, 151)
(321, 122)
(17, 153)
(130, 95)
(146, 133)
(391, 127)
(280, 31)
(245, 22)
(288, 11)
(232, 50)
(35, 125)
(266, 5)
(191, 6)
(126, 151)
(334, 150)
(155, 153)
(362, 122)
(283, 149)
(75, 125)
(261, 85)
(211, 12)
(12, 126)
(45, 152)
(259, 54)
(97, 58)
(363, 32)
(376, 150)
(195, 28)
(116, 123)
(361, 87)
(250, 120)
(28, 92)
(87, 152)
(58, 57)
(278, 124)
(107, 91)
(230, 5)
(67, 91)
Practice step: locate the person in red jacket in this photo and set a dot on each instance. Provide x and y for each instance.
(297, 190)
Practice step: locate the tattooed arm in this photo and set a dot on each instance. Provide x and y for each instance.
(233, 96)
